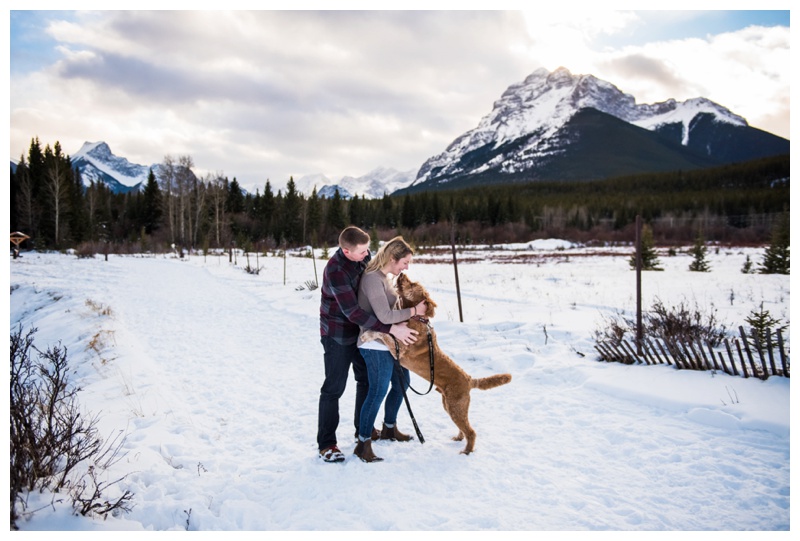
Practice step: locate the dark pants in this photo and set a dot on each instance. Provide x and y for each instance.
(338, 359)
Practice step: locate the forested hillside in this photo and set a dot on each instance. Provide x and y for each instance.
(732, 204)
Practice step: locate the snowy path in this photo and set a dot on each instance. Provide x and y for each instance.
(214, 374)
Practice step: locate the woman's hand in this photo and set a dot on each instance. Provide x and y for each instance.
(403, 333)
(420, 309)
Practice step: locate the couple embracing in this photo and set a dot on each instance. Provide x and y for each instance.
(358, 295)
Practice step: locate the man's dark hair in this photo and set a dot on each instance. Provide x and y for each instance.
(352, 236)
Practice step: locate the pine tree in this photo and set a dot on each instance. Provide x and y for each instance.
(374, 241)
(776, 257)
(313, 216)
(291, 216)
(747, 268)
(335, 217)
(761, 322)
(152, 204)
(649, 255)
(698, 252)
(235, 197)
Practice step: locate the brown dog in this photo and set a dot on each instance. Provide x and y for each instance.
(450, 379)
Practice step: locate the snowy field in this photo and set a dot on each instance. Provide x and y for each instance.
(212, 374)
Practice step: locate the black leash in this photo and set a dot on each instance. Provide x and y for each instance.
(430, 355)
(401, 376)
(405, 398)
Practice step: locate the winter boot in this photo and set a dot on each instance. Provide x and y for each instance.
(364, 451)
(394, 434)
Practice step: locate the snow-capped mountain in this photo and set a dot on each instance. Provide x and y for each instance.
(371, 186)
(552, 124)
(97, 163)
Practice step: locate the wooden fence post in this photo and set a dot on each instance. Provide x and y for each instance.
(639, 283)
(455, 266)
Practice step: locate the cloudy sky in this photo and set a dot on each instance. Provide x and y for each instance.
(262, 95)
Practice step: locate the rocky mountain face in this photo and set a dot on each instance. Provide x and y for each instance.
(560, 126)
(97, 163)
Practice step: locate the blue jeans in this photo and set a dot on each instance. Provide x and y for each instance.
(338, 359)
(381, 371)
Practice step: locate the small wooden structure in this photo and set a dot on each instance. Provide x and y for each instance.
(17, 238)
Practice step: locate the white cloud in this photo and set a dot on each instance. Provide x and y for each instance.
(270, 94)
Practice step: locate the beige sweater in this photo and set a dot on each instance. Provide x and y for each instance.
(376, 295)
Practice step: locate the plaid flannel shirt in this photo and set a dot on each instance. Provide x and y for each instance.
(339, 314)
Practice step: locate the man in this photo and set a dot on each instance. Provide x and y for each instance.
(340, 318)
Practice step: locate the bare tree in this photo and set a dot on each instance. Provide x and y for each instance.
(166, 179)
(218, 196)
(184, 178)
(199, 194)
(56, 187)
(25, 201)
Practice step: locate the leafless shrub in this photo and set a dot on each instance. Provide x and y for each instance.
(51, 441)
(677, 323)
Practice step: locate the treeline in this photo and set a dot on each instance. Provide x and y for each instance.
(177, 210)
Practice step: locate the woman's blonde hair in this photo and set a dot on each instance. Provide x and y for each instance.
(394, 250)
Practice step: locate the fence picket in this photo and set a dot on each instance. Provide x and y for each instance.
(784, 362)
(724, 366)
(741, 358)
(711, 352)
(661, 345)
(730, 356)
(760, 350)
(747, 349)
(646, 351)
(631, 352)
(769, 352)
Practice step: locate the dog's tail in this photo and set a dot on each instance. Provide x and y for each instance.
(490, 382)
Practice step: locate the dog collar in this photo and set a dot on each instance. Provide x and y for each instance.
(421, 319)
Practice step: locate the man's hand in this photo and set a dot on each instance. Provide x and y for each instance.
(405, 335)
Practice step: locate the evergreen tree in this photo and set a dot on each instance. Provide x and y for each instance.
(649, 255)
(761, 323)
(152, 204)
(292, 207)
(235, 198)
(409, 213)
(387, 210)
(78, 215)
(747, 268)
(335, 217)
(776, 257)
(356, 213)
(698, 252)
(374, 241)
(266, 211)
(313, 216)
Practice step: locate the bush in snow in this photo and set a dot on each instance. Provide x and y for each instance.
(53, 446)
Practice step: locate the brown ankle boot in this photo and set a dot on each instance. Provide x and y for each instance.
(364, 451)
(394, 434)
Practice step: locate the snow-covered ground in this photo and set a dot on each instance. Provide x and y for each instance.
(213, 374)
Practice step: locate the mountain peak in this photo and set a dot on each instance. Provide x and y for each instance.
(98, 149)
(97, 163)
(527, 126)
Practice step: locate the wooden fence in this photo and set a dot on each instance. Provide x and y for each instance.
(755, 359)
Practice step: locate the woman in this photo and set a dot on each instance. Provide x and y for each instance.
(377, 295)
